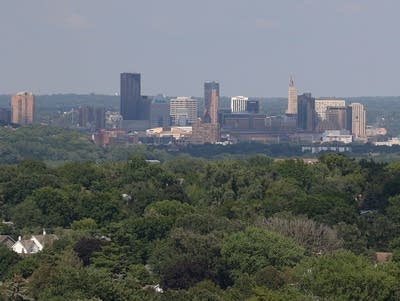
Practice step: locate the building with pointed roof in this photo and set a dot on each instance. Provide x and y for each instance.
(34, 244)
(292, 98)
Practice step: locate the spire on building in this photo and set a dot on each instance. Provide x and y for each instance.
(291, 81)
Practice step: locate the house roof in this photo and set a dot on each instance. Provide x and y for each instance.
(46, 240)
(383, 256)
(29, 245)
(7, 241)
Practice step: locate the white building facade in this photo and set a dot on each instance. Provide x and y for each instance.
(239, 104)
(337, 136)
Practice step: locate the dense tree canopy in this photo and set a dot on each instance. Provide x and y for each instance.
(233, 229)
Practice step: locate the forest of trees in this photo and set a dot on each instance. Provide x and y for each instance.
(236, 229)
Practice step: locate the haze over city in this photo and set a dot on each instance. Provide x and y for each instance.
(338, 48)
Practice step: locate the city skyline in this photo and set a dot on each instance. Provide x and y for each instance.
(334, 48)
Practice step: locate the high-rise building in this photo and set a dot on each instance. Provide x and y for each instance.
(336, 119)
(143, 112)
(100, 118)
(253, 106)
(239, 104)
(130, 96)
(183, 111)
(22, 108)
(321, 106)
(159, 112)
(211, 100)
(292, 98)
(85, 116)
(306, 112)
(90, 117)
(358, 120)
(5, 116)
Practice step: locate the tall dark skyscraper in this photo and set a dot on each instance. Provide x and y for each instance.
(130, 96)
(211, 100)
(306, 112)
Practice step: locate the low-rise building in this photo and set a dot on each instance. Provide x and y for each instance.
(34, 244)
(205, 133)
(173, 132)
(390, 142)
(106, 137)
(342, 136)
(374, 131)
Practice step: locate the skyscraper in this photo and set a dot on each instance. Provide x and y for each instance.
(183, 111)
(211, 100)
(358, 120)
(253, 106)
(143, 111)
(292, 98)
(159, 112)
(306, 112)
(22, 108)
(322, 106)
(100, 118)
(90, 117)
(336, 118)
(130, 96)
(5, 115)
(85, 116)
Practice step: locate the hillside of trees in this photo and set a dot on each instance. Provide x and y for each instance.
(57, 146)
(239, 229)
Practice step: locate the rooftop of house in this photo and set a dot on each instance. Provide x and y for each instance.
(46, 239)
(383, 256)
(28, 244)
(7, 240)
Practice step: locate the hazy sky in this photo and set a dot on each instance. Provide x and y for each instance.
(333, 48)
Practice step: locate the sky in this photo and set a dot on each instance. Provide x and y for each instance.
(333, 48)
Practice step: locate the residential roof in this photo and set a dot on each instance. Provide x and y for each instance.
(7, 241)
(29, 245)
(383, 256)
(46, 240)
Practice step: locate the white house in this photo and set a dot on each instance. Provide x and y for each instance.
(35, 244)
(25, 246)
